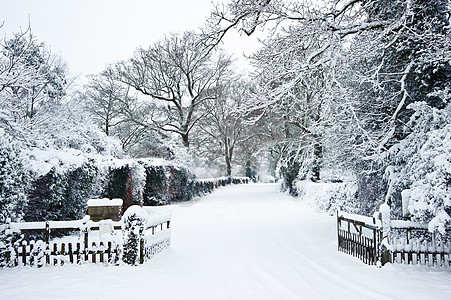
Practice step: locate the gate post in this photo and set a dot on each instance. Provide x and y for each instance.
(384, 255)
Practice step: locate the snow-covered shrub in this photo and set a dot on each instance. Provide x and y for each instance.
(180, 186)
(38, 254)
(126, 180)
(61, 195)
(167, 182)
(423, 164)
(329, 197)
(289, 172)
(429, 195)
(371, 190)
(134, 221)
(13, 181)
(8, 238)
(116, 184)
(156, 188)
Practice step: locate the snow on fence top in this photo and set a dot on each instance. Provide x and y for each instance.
(52, 225)
(364, 219)
(105, 202)
(399, 224)
(408, 225)
(146, 213)
(152, 219)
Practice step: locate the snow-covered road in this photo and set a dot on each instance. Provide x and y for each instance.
(241, 242)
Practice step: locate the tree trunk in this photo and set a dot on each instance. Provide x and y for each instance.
(317, 160)
(228, 166)
(185, 139)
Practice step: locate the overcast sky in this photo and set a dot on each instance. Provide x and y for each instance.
(89, 34)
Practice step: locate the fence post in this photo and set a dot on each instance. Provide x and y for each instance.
(47, 232)
(338, 230)
(47, 243)
(86, 245)
(141, 245)
(384, 251)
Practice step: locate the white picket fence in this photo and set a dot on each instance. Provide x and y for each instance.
(87, 242)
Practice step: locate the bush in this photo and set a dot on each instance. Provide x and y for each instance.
(330, 197)
(13, 181)
(134, 222)
(180, 187)
(156, 187)
(60, 196)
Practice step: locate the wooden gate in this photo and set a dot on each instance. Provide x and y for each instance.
(360, 237)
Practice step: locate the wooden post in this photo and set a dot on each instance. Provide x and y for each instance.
(63, 252)
(24, 254)
(94, 252)
(102, 251)
(141, 244)
(78, 252)
(108, 251)
(141, 250)
(375, 246)
(55, 253)
(71, 254)
(47, 232)
(338, 231)
(85, 233)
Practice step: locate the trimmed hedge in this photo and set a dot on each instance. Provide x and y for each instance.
(201, 187)
(60, 196)
(62, 192)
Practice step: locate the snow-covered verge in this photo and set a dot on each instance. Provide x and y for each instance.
(241, 242)
(329, 197)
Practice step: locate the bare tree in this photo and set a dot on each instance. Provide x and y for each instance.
(178, 76)
(103, 98)
(224, 131)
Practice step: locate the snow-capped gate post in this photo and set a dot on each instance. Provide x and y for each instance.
(384, 246)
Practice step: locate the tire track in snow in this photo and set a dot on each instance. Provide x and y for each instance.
(310, 274)
(324, 273)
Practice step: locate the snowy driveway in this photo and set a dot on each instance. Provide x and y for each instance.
(241, 242)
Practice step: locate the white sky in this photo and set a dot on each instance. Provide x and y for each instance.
(89, 34)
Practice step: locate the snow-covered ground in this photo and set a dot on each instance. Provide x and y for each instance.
(241, 242)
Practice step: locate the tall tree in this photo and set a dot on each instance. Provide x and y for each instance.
(32, 80)
(178, 74)
(293, 88)
(379, 55)
(117, 110)
(224, 131)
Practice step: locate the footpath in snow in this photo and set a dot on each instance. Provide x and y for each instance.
(241, 242)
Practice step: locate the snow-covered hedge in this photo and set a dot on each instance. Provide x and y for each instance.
(329, 197)
(201, 187)
(13, 180)
(38, 184)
